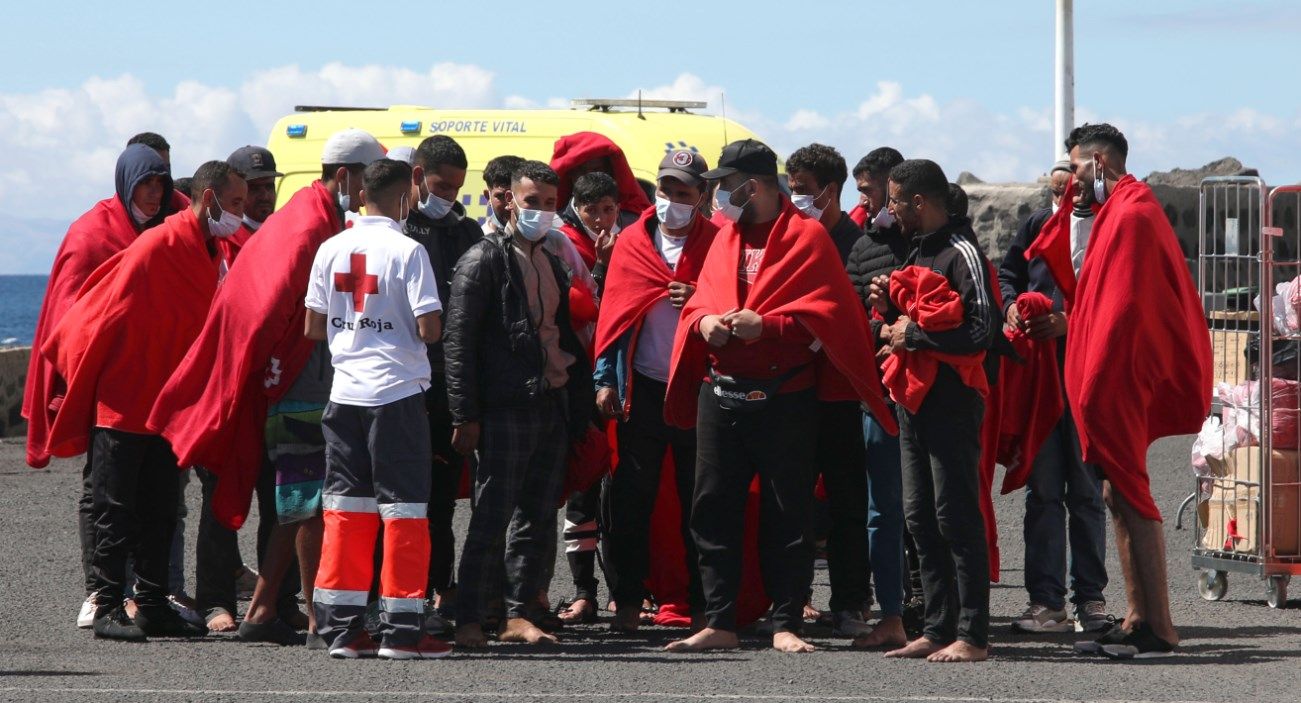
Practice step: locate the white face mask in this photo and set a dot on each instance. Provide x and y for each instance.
(883, 219)
(533, 225)
(434, 207)
(251, 223)
(405, 208)
(674, 215)
(138, 215)
(725, 206)
(805, 203)
(345, 200)
(227, 223)
(1099, 183)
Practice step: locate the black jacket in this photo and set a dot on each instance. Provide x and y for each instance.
(844, 235)
(445, 240)
(1016, 275)
(492, 350)
(953, 252)
(879, 252)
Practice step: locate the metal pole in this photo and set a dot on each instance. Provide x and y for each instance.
(1063, 78)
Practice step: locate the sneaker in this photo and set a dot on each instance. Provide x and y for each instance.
(162, 621)
(1092, 616)
(245, 583)
(1040, 618)
(354, 644)
(1112, 635)
(113, 624)
(186, 609)
(847, 623)
(275, 632)
(427, 648)
(86, 618)
(1142, 643)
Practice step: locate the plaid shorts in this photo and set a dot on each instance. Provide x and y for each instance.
(296, 449)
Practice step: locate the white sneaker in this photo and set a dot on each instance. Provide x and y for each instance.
(1040, 618)
(86, 617)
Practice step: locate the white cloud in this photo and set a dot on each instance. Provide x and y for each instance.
(61, 144)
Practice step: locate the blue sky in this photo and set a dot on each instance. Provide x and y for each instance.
(969, 84)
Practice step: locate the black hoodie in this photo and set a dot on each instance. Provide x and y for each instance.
(136, 163)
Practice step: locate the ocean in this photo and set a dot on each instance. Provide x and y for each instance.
(20, 305)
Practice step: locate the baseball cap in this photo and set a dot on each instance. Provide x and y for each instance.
(747, 156)
(351, 146)
(403, 153)
(684, 165)
(254, 162)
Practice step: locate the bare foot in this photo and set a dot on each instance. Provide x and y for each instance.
(887, 633)
(130, 605)
(811, 614)
(471, 635)
(960, 651)
(708, 638)
(222, 622)
(919, 648)
(521, 631)
(790, 643)
(581, 610)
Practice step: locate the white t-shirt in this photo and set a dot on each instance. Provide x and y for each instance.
(371, 282)
(655, 344)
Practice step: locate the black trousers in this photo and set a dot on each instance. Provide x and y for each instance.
(86, 521)
(217, 558)
(940, 447)
(643, 440)
(134, 487)
(842, 457)
(731, 449)
(582, 534)
(445, 484)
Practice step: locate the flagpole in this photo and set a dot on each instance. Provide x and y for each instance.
(1063, 78)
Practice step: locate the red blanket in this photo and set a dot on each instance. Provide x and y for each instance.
(926, 298)
(130, 327)
(95, 237)
(228, 247)
(249, 353)
(1138, 356)
(801, 276)
(575, 149)
(858, 215)
(583, 243)
(1028, 403)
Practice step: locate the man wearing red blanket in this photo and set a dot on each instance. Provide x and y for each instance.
(652, 275)
(1133, 285)
(771, 294)
(940, 416)
(117, 346)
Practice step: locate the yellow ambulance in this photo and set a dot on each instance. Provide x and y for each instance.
(644, 129)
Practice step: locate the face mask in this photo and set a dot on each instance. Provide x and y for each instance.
(138, 215)
(883, 219)
(402, 223)
(345, 200)
(1099, 183)
(805, 203)
(728, 210)
(533, 225)
(251, 223)
(674, 215)
(434, 207)
(226, 225)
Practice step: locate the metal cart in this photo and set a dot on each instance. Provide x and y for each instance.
(1247, 519)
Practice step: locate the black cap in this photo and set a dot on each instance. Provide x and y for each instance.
(746, 156)
(254, 162)
(684, 165)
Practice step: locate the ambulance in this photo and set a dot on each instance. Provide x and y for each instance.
(644, 129)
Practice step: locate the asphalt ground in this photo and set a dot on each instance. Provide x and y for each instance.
(1238, 649)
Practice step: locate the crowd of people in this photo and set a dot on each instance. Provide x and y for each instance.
(720, 378)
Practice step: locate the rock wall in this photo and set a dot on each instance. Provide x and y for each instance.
(13, 374)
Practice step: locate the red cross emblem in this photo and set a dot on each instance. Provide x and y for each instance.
(357, 282)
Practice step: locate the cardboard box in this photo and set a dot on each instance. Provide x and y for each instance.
(1230, 518)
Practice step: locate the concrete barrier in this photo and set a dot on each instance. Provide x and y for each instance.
(13, 375)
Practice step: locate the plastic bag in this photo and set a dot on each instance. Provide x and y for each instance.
(1210, 442)
(1284, 305)
(1241, 414)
